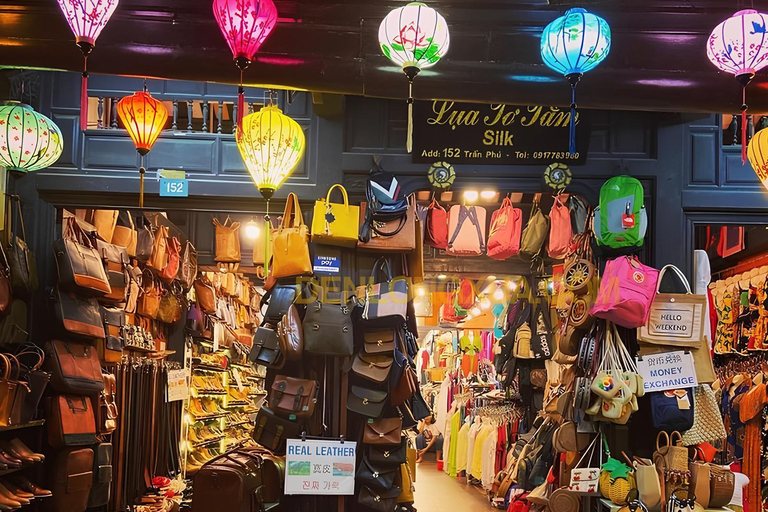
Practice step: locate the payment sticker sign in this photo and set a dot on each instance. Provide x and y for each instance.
(668, 370)
(319, 467)
(327, 265)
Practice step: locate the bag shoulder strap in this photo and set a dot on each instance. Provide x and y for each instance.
(382, 264)
(463, 214)
(474, 219)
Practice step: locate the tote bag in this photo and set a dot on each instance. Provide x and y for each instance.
(675, 319)
(506, 228)
(227, 241)
(560, 232)
(290, 248)
(437, 226)
(466, 226)
(626, 292)
(335, 223)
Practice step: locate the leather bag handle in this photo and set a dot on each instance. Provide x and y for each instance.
(30, 349)
(292, 214)
(658, 438)
(384, 264)
(6, 368)
(343, 193)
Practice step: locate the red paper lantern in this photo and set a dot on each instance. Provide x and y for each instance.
(86, 18)
(144, 117)
(246, 24)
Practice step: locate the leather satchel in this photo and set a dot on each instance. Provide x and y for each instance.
(173, 260)
(145, 240)
(105, 221)
(387, 456)
(366, 402)
(158, 259)
(386, 302)
(328, 329)
(149, 298)
(227, 241)
(188, 266)
(72, 479)
(31, 358)
(80, 267)
(102, 475)
(396, 235)
(406, 385)
(290, 245)
(291, 334)
(379, 500)
(21, 260)
(271, 431)
(383, 432)
(80, 316)
(266, 348)
(70, 421)
(125, 233)
(335, 223)
(375, 368)
(107, 407)
(279, 299)
(293, 398)
(8, 387)
(376, 478)
(379, 341)
(116, 261)
(205, 295)
(74, 367)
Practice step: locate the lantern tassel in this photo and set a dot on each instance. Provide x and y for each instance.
(743, 125)
(572, 126)
(84, 97)
(240, 108)
(267, 255)
(142, 171)
(409, 140)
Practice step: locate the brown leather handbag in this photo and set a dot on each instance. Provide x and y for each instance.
(405, 387)
(293, 397)
(188, 267)
(227, 241)
(158, 260)
(72, 479)
(115, 260)
(722, 482)
(80, 316)
(168, 274)
(105, 221)
(80, 266)
(171, 308)
(149, 298)
(392, 236)
(205, 295)
(74, 367)
(7, 391)
(291, 334)
(384, 431)
(107, 407)
(379, 341)
(372, 367)
(271, 431)
(70, 421)
(125, 233)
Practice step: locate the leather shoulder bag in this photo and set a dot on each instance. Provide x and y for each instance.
(369, 403)
(111, 347)
(74, 367)
(31, 357)
(386, 302)
(290, 246)
(145, 240)
(379, 341)
(125, 233)
(116, 260)
(205, 295)
(71, 479)
(271, 431)
(151, 292)
(70, 421)
(384, 455)
(227, 241)
(158, 259)
(291, 334)
(21, 259)
(376, 477)
(102, 475)
(383, 432)
(188, 267)
(291, 397)
(81, 269)
(375, 368)
(267, 349)
(80, 316)
(328, 328)
(278, 300)
(168, 274)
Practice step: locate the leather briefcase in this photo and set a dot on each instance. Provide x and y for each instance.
(328, 328)
(72, 479)
(366, 402)
(386, 456)
(266, 348)
(379, 341)
(79, 263)
(232, 481)
(384, 431)
(272, 473)
(70, 421)
(279, 299)
(80, 316)
(375, 368)
(111, 347)
(293, 397)
(74, 367)
(271, 431)
(115, 260)
(102, 475)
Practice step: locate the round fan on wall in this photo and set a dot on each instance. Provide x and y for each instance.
(441, 175)
(558, 176)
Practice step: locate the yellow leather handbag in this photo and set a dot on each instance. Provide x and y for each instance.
(335, 223)
(290, 246)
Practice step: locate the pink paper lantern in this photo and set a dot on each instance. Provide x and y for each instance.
(245, 24)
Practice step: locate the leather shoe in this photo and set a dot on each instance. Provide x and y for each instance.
(5, 500)
(10, 450)
(14, 497)
(29, 486)
(19, 447)
(18, 491)
(10, 462)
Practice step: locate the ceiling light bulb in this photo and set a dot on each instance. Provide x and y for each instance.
(252, 230)
(470, 196)
(498, 294)
(488, 194)
(491, 278)
(442, 276)
(475, 311)
(421, 291)
(512, 285)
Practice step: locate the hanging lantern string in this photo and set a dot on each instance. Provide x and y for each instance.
(572, 127)
(267, 229)
(743, 124)
(240, 103)
(409, 140)
(142, 171)
(84, 95)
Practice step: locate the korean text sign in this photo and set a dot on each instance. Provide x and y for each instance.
(318, 467)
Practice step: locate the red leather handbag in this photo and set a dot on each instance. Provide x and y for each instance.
(436, 234)
(168, 274)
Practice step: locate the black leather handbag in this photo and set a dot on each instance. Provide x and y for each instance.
(102, 475)
(31, 357)
(271, 431)
(279, 299)
(80, 267)
(114, 321)
(80, 316)
(328, 326)
(379, 501)
(376, 477)
(386, 457)
(367, 402)
(21, 260)
(266, 348)
(116, 262)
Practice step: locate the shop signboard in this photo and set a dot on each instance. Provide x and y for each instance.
(496, 134)
(320, 467)
(667, 370)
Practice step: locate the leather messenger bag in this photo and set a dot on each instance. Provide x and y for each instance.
(70, 421)
(74, 367)
(293, 397)
(72, 478)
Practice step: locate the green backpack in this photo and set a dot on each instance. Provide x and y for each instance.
(620, 219)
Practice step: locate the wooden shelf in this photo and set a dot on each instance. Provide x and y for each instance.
(36, 423)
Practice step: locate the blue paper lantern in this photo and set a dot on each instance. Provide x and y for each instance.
(572, 45)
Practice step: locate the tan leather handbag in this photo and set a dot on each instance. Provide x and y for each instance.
(383, 431)
(227, 241)
(372, 367)
(125, 236)
(105, 221)
(290, 247)
(149, 300)
(699, 483)
(393, 236)
(159, 257)
(205, 295)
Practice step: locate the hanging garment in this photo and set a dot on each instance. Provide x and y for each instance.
(461, 447)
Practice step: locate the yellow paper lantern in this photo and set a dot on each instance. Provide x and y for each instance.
(271, 145)
(757, 152)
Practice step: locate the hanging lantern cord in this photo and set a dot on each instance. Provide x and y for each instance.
(267, 229)
(573, 79)
(142, 171)
(743, 124)
(84, 95)
(410, 73)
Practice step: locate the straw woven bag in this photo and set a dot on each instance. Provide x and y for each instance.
(707, 423)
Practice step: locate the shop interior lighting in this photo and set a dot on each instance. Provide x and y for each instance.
(498, 295)
(252, 230)
(470, 196)
(488, 194)
(485, 303)
(442, 276)
(421, 291)
(475, 311)
(512, 284)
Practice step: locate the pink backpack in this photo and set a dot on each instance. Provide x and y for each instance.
(506, 226)
(466, 230)
(560, 231)
(626, 292)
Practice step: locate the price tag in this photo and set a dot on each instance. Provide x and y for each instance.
(177, 385)
(238, 378)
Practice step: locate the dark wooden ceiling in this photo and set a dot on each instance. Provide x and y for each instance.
(657, 60)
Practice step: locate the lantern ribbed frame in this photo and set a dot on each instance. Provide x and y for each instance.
(575, 42)
(739, 45)
(29, 141)
(87, 18)
(245, 24)
(144, 118)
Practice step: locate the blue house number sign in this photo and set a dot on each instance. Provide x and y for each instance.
(174, 188)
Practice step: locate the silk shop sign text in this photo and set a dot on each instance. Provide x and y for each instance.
(496, 134)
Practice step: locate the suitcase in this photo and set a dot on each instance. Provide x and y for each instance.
(72, 478)
(230, 482)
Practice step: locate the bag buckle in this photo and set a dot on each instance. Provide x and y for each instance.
(315, 327)
(386, 453)
(365, 401)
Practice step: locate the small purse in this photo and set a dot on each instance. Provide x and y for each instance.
(379, 341)
(388, 456)
(366, 402)
(383, 432)
(375, 368)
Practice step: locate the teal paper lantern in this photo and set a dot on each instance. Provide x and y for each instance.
(572, 45)
(29, 141)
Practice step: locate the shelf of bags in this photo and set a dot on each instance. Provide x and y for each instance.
(208, 441)
(35, 423)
